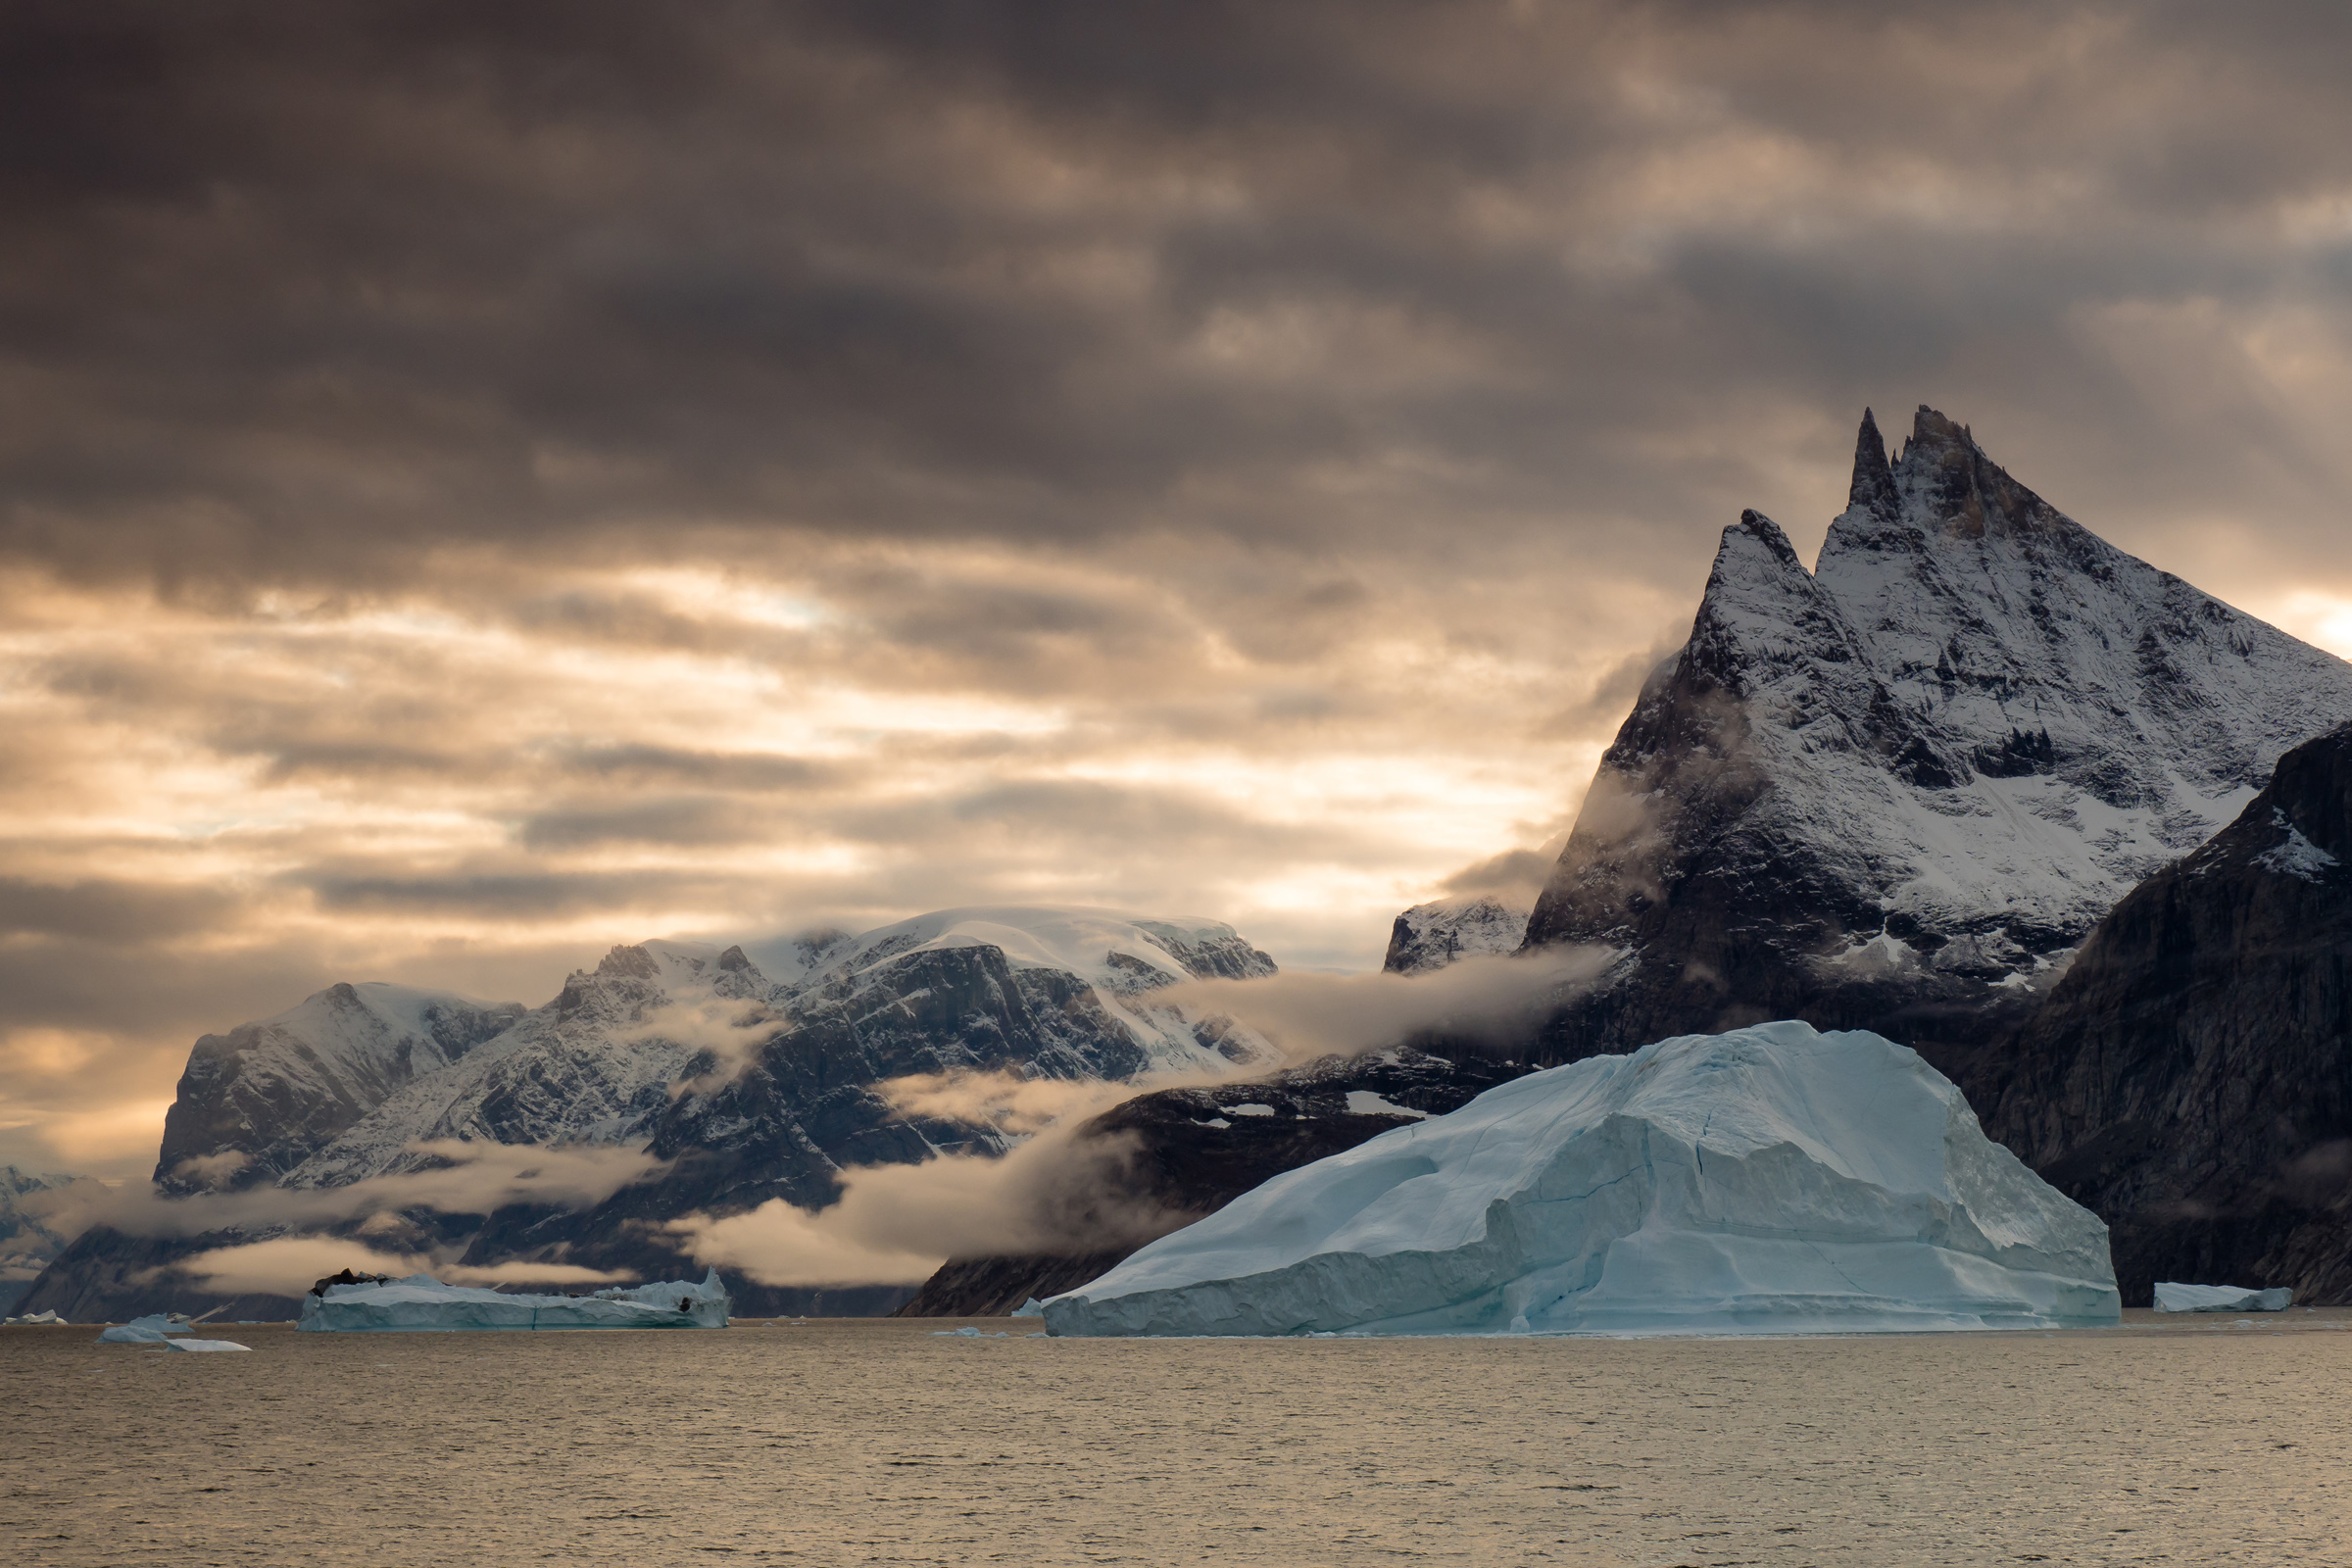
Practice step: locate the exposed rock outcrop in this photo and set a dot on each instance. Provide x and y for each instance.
(2190, 1078)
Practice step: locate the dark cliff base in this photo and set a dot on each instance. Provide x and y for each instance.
(2190, 1078)
(1186, 1167)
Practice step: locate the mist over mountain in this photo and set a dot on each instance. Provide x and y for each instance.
(742, 1087)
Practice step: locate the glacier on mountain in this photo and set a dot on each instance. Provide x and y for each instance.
(422, 1304)
(1766, 1180)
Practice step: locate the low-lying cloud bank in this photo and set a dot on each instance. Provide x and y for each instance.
(1062, 1193)
(1492, 1000)
(477, 1179)
(287, 1265)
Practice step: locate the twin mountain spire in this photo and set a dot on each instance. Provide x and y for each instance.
(1821, 808)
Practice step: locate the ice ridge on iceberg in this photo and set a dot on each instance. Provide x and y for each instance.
(422, 1304)
(1769, 1180)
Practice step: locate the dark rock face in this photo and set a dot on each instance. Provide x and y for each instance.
(1896, 792)
(107, 1277)
(1190, 1151)
(2190, 1078)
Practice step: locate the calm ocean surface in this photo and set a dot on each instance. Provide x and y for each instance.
(851, 1442)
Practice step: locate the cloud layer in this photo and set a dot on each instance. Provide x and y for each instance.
(481, 483)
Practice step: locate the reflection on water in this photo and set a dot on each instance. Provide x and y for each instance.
(881, 1442)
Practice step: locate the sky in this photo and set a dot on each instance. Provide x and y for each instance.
(480, 484)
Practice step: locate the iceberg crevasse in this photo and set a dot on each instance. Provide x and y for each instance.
(422, 1304)
(1768, 1179)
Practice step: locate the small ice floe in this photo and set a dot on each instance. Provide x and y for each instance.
(2175, 1298)
(1032, 1308)
(205, 1344)
(37, 1320)
(967, 1332)
(152, 1329)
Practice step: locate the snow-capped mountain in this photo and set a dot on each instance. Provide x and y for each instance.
(1068, 993)
(260, 1100)
(1897, 791)
(341, 1088)
(2188, 1078)
(1430, 936)
(592, 1067)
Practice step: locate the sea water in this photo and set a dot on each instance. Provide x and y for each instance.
(849, 1441)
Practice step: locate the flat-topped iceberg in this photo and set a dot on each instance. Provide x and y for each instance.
(1771, 1180)
(2174, 1298)
(422, 1304)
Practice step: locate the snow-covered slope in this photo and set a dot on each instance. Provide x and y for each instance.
(1121, 958)
(592, 1067)
(1769, 1180)
(1899, 790)
(259, 1100)
(1430, 936)
(757, 1085)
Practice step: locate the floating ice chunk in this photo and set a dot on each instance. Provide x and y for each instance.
(422, 1304)
(39, 1320)
(1032, 1308)
(2175, 1298)
(149, 1330)
(1769, 1180)
(205, 1344)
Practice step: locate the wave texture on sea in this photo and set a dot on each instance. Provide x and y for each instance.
(878, 1441)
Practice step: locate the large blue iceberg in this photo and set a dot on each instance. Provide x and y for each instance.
(422, 1304)
(1771, 1180)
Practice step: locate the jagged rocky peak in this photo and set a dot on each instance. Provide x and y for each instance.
(1430, 936)
(1894, 792)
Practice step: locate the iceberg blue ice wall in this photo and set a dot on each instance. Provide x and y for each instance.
(1769, 1180)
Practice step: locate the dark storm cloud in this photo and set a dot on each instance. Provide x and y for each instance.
(295, 293)
(110, 910)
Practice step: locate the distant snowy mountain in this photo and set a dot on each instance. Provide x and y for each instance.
(27, 1237)
(341, 1088)
(1430, 936)
(592, 1067)
(1896, 792)
(259, 1100)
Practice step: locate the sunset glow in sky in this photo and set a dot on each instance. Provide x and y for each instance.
(485, 483)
